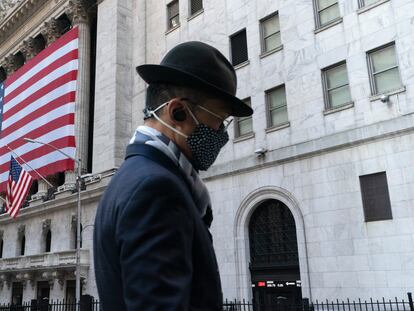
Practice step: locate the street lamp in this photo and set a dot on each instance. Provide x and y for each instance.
(78, 222)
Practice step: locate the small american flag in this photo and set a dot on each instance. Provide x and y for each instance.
(18, 186)
(38, 102)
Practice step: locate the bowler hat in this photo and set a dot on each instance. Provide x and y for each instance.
(199, 65)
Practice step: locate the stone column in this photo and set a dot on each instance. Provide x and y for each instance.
(78, 13)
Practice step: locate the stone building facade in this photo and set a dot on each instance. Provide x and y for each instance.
(312, 196)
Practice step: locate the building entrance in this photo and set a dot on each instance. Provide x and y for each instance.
(274, 263)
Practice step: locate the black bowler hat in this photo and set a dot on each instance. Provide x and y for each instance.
(199, 65)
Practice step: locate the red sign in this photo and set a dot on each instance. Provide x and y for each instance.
(261, 284)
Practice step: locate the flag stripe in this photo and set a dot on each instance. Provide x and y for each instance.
(58, 102)
(56, 50)
(41, 95)
(44, 73)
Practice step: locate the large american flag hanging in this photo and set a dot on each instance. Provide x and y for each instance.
(18, 186)
(38, 102)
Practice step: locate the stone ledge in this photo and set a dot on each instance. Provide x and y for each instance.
(389, 93)
(243, 137)
(337, 109)
(331, 24)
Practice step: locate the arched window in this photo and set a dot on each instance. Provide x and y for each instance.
(75, 236)
(48, 241)
(272, 234)
(22, 245)
(1, 248)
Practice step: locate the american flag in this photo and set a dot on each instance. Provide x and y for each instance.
(38, 102)
(17, 187)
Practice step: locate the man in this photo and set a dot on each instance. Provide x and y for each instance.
(152, 246)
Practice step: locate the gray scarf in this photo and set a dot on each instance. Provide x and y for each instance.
(149, 136)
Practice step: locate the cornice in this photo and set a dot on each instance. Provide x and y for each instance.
(17, 15)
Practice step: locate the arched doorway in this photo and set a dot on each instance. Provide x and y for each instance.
(274, 260)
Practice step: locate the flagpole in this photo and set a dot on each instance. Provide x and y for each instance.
(40, 175)
(78, 221)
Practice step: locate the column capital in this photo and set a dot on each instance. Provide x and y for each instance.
(78, 11)
(10, 64)
(30, 48)
(52, 30)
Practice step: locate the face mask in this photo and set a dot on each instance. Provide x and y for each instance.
(204, 142)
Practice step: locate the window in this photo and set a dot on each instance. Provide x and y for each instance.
(243, 125)
(326, 11)
(336, 86)
(238, 44)
(270, 32)
(195, 6)
(48, 241)
(22, 245)
(276, 106)
(375, 197)
(173, 15)
(1, 248)
(363, 3)
(17, 293)
(383, 69)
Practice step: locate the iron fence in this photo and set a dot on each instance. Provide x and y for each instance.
(52, 305)
(305, 305)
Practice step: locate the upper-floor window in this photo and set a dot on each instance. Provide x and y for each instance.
(383, 69)
(336, 86)
(243, 125)
(326, 11)
(22, 245)
(363, 3)
(238, 43)
(173, 14)
(270, 33)
(1, 248)
(195, 6)
(276, 106)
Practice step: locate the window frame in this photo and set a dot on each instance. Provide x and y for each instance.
(326, 90)
(371, 73)
(231, 47)
(318, 17)
(191, 14)
(237, 120)
(263, 38)
(361, 3)
(269, 112)
(169, 18)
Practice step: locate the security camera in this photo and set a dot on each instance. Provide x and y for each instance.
(385, 98)
(260, 151)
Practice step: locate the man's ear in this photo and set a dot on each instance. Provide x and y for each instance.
(176, 111)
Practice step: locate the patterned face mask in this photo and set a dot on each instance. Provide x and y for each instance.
(205, 144)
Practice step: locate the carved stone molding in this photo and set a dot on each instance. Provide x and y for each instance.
(31, 47)
(46, 225)
(52, 30)
(21, 231)
(78, 11)
(6, 7)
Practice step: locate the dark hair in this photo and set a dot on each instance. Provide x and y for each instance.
(157, 94)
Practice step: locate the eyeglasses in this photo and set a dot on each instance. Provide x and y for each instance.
(226, 121)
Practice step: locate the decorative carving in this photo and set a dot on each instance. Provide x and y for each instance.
(78, 11)
(5, 279)
(46, 225)
(31, 47)
(52, 30)
(10, 64)
(6, 6)
(21, 231)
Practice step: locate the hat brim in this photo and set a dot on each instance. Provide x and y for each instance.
(165, 74)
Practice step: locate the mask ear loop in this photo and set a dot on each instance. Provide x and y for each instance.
(153, 113)
(192, 114)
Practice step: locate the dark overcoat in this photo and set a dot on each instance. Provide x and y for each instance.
(152, 250)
